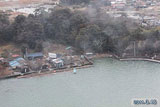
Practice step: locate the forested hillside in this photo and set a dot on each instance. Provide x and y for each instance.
(89, 30)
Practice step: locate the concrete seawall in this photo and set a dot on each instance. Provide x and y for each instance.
(140, 59)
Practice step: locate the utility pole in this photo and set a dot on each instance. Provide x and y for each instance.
(134, 50)
(25, 53)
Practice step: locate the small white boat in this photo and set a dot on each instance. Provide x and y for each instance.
(74, 70)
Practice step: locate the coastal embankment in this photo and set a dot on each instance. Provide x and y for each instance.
(94, 57)
(126, 59)
(42, 73)
(38, 74)
(140, 59)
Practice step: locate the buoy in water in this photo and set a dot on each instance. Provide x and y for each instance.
(54, 71)
(74, 71)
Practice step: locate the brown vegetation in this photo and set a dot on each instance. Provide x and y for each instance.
(4, 71)
(9, 48)
(22, 2)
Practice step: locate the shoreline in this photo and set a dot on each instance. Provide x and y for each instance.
(52, 72)
(96, 56)
(42, 73)
(140, 59)
(36, 74)
(125, 59)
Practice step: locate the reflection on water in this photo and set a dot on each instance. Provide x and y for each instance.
(110, 83)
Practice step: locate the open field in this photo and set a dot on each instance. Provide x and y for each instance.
(10, 4)
(4, 3)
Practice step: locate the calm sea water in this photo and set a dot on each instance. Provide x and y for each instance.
(110, 83)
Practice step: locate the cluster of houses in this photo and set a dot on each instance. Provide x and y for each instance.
(122, 4)
(38, 62)
(144, 12)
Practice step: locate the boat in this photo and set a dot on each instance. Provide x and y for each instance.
(74, 70)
